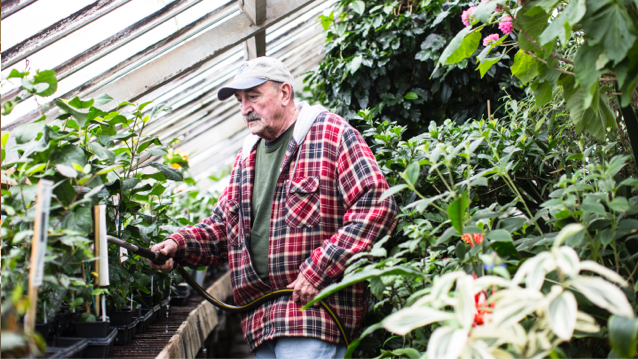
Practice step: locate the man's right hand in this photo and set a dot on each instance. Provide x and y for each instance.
(168, 248)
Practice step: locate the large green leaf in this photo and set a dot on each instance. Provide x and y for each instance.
(101, 152)
(587, 70)
(611, 26)
(80, 117)
(533, 21)
(623, 335)
(169, 172)
(28, 131)
(595, 121)
(562, 315)
(525, 67)
(562, 26)
(461, 47)
(363, 276)
(46, 77)
(68, 155)
(543, 92)
(456, 212)
(79, 220)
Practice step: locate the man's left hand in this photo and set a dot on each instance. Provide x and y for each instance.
(304, 291)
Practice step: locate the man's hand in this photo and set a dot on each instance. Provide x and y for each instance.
(167, 248)
(304, 291)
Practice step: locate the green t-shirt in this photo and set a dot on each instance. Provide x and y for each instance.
(270, 157)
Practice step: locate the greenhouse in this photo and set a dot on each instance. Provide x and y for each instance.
(319, 179)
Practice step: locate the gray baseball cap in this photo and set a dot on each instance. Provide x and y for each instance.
(254, 73)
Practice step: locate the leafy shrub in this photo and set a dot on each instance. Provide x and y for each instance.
(384, 55)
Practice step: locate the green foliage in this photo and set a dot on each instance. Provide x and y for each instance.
(92, 157)
(383, 56)
(587, 48)
(485, 197)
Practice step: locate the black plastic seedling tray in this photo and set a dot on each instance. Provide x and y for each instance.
(125, 333)
(100, 347)
(67, 347)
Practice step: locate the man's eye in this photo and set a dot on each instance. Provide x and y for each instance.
(253, 97)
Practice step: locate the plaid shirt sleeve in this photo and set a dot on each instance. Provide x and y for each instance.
(361, 184)
(205, 244)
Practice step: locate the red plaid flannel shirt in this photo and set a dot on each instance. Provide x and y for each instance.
(326, 208)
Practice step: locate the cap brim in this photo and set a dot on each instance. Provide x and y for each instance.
(239, 84)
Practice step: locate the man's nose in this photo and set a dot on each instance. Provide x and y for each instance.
(245, 108)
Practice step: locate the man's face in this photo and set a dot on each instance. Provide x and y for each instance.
(262, 110)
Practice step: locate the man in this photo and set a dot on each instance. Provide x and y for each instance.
(303, 198)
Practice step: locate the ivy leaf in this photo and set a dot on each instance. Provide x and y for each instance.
(354, 65)
(326, 21)
(359, 7)
(586, 71)
(456, 212)
(525, 67)
(562, 25)
(461, 47)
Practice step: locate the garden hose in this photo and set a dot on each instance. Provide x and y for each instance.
(159, 259)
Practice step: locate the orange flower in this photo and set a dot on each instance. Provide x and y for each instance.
(472, 239)
(176, 166)
(483, 310)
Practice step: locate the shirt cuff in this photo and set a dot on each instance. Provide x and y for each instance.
(181, 246)
(314, 274)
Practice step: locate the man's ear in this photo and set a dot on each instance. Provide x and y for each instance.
(286, 93)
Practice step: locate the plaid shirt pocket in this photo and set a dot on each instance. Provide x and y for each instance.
(232, 222)
(302, 203)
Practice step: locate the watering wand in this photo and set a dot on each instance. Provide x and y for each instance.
(159, 259)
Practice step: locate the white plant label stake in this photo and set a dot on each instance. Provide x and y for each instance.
(101, 253)
(38, 247)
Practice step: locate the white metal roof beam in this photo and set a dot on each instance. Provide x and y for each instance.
(256, 10)
(127, 65)
(60, 29)
(10, 7)
(116, 41)
(195, 53)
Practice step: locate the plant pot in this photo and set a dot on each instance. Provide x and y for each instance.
(120, 318)
(91, 329)
(125, 333)
(146, 300)
(137, 312)
(145, 321)
(67, 347)
(100, 347)
(44, 329)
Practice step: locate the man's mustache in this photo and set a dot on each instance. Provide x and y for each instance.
(253, 116)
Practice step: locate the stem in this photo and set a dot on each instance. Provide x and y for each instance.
(443, 179)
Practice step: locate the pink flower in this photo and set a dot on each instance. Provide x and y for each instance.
(506, 25)
(465, 17)
(490, 39)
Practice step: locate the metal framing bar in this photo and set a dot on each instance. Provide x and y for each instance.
(195, 53)
(10, 7)
(127, 65)
(116, 41)
(60, 29)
